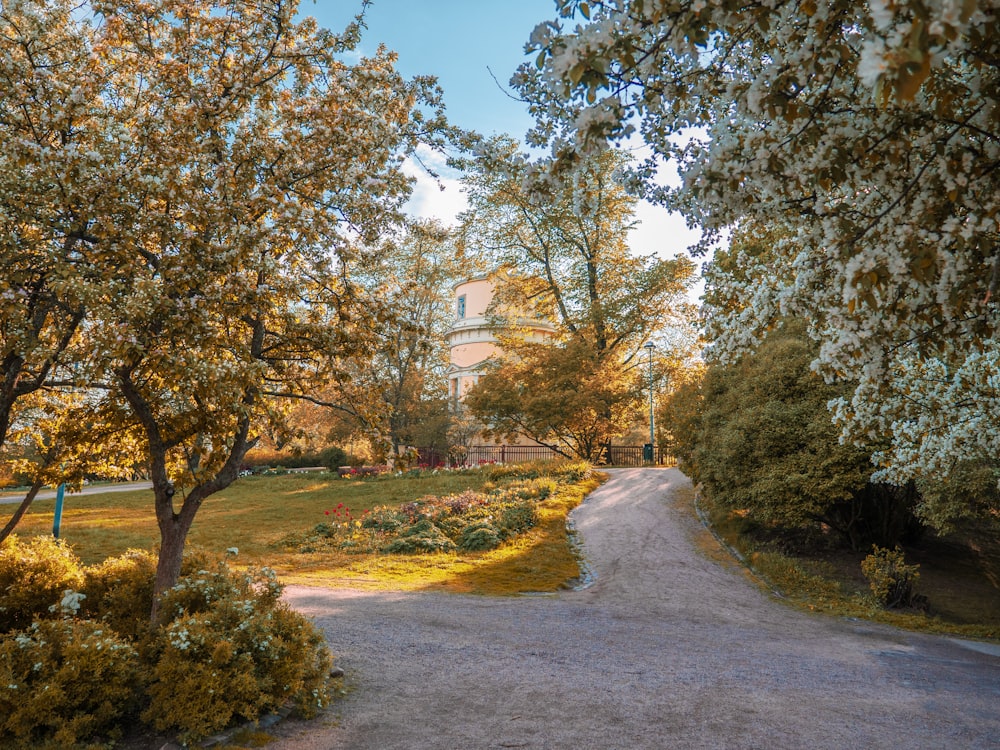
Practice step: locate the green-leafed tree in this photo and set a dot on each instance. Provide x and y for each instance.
(397, 396)
(970, 492)
(557, 394)
(414, 282)
(559, 251)
(757, 434)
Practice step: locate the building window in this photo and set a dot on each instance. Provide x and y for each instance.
(461, 306)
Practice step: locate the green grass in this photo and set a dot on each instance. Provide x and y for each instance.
(255, 513)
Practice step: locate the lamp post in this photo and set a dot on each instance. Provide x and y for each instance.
(651, 451)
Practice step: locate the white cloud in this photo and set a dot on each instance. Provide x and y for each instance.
(438, 197)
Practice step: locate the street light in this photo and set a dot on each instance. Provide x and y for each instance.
(650, 452)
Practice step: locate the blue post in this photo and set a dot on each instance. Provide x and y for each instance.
(57, 518)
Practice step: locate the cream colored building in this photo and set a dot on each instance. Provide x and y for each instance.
(471, 340)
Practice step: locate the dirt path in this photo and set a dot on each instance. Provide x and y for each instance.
(666, 650)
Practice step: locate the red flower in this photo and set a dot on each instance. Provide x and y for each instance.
(326, 512)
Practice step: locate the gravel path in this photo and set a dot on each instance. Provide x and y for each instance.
(666, 650)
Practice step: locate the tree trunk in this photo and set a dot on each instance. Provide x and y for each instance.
(174, 526)
(21, 510)
(173, 535)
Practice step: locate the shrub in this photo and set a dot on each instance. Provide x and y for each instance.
(537, 489)
(232, 649)
(383, 519)
(571, 471)
(333, 458)
(34, 573)
(516, 518)
(65, 681)
(201, 588)
(757, 435)
(482, 535)
(225, 647)
(423, 536)
(119, 593)
(892, 581)
(969, 492)
(500, 472)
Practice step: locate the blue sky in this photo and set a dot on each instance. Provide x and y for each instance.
(460, 42)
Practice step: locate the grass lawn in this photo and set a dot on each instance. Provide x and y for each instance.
(255, 513)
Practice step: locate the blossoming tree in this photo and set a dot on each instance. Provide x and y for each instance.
(859, 141)
(59, 181)
(241, 161)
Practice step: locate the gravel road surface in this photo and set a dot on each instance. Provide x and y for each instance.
(13, 498)
(667, 649)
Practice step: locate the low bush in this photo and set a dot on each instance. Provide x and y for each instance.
(482, 535)
(75, 665)
(892, 581)
(232, 650)
(332, 458)
(63, 682)
(119, 593)
(560, 471)
(422, 536)
(34, 573)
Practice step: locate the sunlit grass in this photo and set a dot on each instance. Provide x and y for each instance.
(256, 512)
(810, 590)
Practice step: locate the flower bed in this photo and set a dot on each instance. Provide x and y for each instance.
(467, 521)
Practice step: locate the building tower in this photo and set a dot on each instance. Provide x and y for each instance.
(471, 341)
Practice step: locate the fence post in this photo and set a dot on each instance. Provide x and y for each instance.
(57, 516)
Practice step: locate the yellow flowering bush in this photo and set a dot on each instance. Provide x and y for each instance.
(82, 662)
(231, 649)
(65, 681)
(34, 573)
(119, 593)
(892, 581)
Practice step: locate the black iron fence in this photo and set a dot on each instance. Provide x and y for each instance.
(633, 455)
(480, 455)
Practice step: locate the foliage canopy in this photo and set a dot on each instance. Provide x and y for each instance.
(559, 252)
(186, 185)
(758, 435)
(866, 133)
